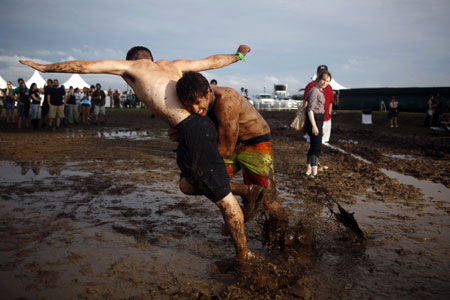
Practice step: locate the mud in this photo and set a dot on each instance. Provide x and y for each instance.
(95, 213)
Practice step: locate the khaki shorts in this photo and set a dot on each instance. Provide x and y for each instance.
(56, 111)
(99, 110)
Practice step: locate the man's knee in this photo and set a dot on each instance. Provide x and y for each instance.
(187, 188)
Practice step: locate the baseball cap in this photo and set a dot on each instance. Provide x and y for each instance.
(322, 68)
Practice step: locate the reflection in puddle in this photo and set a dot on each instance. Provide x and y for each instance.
(20, 171)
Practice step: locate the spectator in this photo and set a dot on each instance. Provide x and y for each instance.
(99, 100)
(35, 106)
(1, 101)
(78, 96)
(22, 95)
(393, 112)
(85, 106)
(55, 100)
(72, 107)
(116, 97)
(45, 104)
(314, 121)
(430, 111)
(438, 109)
(213, 82)
(246, 94)
(91, 91)
(242, 92)
(110, 95)
(8, 102)
(328, 107)
(130, 98)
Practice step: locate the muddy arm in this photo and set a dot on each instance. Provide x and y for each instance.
(227, 127)
(212, 62)
(114, 67)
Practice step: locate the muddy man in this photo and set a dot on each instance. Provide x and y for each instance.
(197, 155)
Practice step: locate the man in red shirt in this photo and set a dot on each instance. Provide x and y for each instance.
(329, 99)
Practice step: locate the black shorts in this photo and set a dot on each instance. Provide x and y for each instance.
(198, 157)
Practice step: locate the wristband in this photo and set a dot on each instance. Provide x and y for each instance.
(241, 56)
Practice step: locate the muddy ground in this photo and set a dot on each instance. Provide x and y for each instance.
(94, 212)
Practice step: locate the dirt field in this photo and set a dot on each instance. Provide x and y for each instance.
(94, 212)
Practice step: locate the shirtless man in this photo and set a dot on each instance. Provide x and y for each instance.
(154, 83)
(244, 141)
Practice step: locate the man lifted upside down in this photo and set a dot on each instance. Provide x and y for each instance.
(154, 83)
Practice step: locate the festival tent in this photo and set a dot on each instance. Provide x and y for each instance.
(2, 83)
(76, 81)
(334, 85)
(36, 78)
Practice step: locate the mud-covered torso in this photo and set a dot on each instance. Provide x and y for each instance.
(251, 123)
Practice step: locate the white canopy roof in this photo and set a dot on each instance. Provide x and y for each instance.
(36, 78)
(76, 81)
(334, 85)
(2, 83)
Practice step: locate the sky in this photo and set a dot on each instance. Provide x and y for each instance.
(382, 43)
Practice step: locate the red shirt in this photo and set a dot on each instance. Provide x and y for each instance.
(329, 98)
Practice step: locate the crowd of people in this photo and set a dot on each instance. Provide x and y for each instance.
(54, 106)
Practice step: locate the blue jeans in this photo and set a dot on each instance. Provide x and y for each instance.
(312, 157)
(35, 111)
(8, 103)
(24, 112)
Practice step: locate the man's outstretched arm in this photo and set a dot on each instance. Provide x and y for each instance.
(114, 67)
(212, 62)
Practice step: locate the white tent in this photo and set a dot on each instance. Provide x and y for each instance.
(2, 83)
(334, 85)
(76, 81)
(36, 78)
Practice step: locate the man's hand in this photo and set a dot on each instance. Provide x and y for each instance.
(244, 49)
(32, 64)
(173, 134)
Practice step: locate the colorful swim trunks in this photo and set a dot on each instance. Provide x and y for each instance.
(255, 158)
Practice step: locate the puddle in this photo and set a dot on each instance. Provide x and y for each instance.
(15, 171)
(437, 191)
(348, 142)
(430, 189)
(343, 151)
(137, 135)
(400, 156)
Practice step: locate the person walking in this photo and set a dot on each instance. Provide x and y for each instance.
(314, 121)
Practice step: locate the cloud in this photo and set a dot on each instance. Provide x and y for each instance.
(49, 52)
